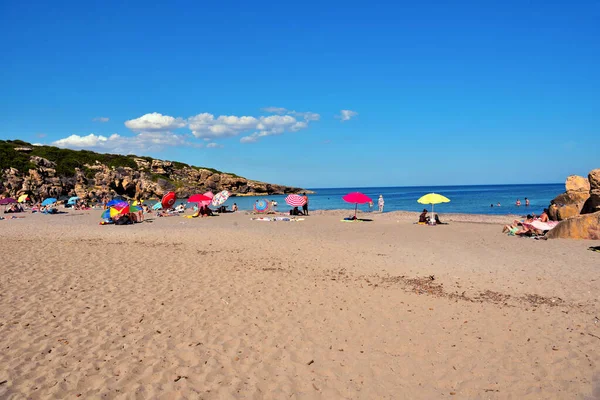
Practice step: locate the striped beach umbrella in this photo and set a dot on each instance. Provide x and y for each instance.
(295, 200)
(261, 206)
(220, 198)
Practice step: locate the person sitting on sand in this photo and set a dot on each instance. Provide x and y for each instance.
(544, 217)
(296, 211)
(523, 230)
(234, 207)
(423, 218)
(438, 222)
(205, 211)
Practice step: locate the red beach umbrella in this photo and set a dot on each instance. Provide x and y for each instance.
(168, 200)
(198, 198)
(295, 200)
(356, 198)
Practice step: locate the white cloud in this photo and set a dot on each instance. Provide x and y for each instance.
(205, 125)
(214, 145)
(155, 122)
(275, 110)
(307, 116)
(101, 119)
(346, 115)
(40, 135)
(146, 141)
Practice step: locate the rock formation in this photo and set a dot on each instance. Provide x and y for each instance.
(593, 203)
(570, 203)
(581, 218)
(94, 180)
(585, 226)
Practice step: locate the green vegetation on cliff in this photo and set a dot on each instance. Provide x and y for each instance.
(67, 160)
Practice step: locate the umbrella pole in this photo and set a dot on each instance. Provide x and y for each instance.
(355, 209)
(432, 214)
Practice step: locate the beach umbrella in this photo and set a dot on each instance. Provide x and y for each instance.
(157, 206)
(48, 201)
(116, 202)
(210, 195)
(356, 198)
(8, 200)
(118, 210)
(220, 198)
(168, 200)
(261, 206)
(199, 198)
(295, 200)
(73, 200)
(23, 198)
(433, 198)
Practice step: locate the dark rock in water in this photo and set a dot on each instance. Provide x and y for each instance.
(580, 227)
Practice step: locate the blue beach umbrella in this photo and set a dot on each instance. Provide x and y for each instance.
(261, 206)
(157, 206)
(116, 202)
(73, 200)
(48, 201)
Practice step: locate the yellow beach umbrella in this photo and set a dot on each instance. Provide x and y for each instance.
(433, 198)
(23, 198)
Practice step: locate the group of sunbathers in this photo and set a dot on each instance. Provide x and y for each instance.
(524, 228)
(14, 208)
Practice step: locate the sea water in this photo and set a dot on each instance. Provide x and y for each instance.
(463, 199)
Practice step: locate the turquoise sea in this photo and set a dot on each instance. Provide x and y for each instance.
(464, 199)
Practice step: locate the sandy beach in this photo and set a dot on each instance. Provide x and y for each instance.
(225, 307)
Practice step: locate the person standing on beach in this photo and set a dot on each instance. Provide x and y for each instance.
(380, 203)
(305, 206)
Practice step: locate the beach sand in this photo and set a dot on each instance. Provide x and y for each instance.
(226, 307)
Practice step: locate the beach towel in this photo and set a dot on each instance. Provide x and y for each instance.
(595, 248)
(543, 226)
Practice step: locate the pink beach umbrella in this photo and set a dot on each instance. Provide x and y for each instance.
(356, 198)
(198, 198)
(208, 202)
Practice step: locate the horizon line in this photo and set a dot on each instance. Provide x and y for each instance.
(420, 186)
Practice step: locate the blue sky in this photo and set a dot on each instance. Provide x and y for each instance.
(435, 93)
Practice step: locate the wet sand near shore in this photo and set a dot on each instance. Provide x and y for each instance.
(226, 307)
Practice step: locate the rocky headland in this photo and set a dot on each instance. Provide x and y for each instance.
(45, 171)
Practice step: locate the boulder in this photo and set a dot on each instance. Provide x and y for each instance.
(594, 179)
(592, 204)
(580, 227)
(569, 210)
(553, 212)
(571, 198)
(576, 183)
